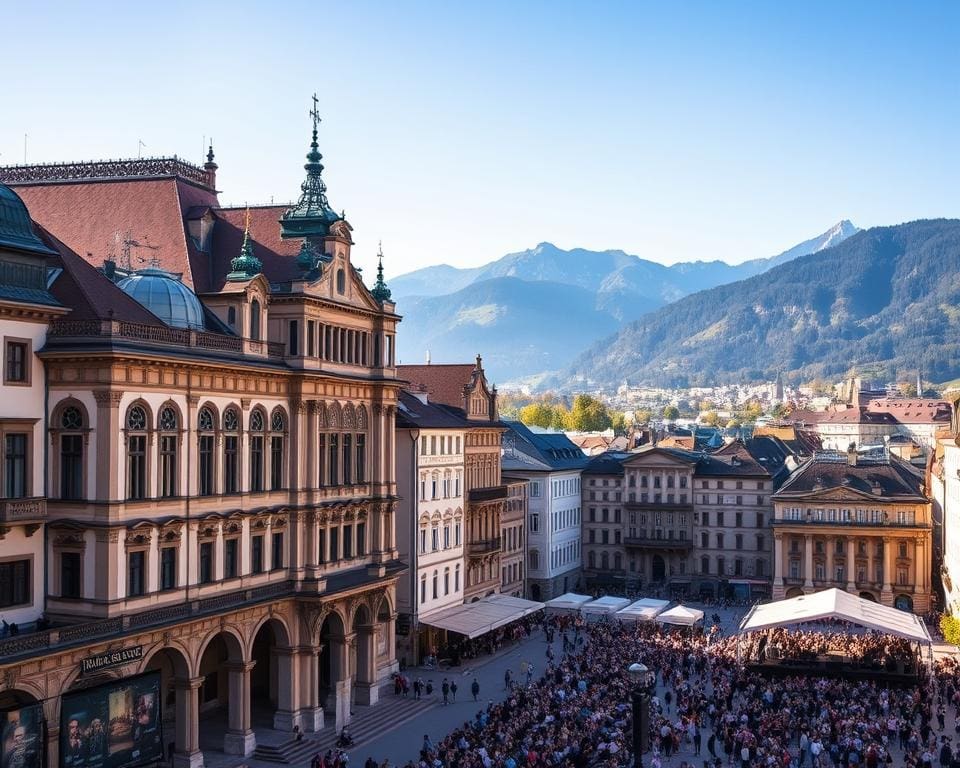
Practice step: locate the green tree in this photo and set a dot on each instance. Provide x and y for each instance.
(710, 418)
(950, 626)
(589, 414)
(560, 418)
(619, 423)
(537, 415)
(671, 412)
(642, 417)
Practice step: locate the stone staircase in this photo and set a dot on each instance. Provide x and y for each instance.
(366, 724)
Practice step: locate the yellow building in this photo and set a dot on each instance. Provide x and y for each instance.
(857, 523)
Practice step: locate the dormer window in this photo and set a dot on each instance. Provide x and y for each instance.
(231, 316)
(254, 320)
(341, 281)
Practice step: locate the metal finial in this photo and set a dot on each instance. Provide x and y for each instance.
(210, 152)
(315, 115)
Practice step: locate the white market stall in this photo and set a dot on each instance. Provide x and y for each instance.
(681, 616)
(604, 606)
(482, 616)
(644, 609)
(570, 602)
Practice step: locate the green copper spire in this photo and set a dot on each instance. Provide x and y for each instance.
(307, 257)
(246, 265)
(380, 291)
(312, 215)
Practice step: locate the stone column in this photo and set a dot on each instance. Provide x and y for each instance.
(109, 556)
(886, 596)
(367, 691)
(311, 466)
(311, 710)
(830, 546)
(187, 752)
(110, 440)
(851, 565)
(343, 695)
(778, 560)
(239, 738)
(808, 561)
(288, 690)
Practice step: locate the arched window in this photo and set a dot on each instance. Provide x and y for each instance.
(169, 441)
(71, 453)
(231, 450)
(257, 426)
(231, 316)
(446, 581)
(456, 578)
(206, 423)
(423, 588)
(136, 452)
(605, 561)
(341, 281)
(436, 585)
(705, 565)
(255, 320)
(278, 429)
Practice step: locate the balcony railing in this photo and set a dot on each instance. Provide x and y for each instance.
(488, 494)
(906, 521)
(643, 542)
(33, 510)
(93, 630)
(178, 337)
(483, 546)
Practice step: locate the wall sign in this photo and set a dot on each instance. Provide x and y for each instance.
(111, 659)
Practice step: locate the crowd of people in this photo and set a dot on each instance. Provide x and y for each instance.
(707, 709)
(864, 649)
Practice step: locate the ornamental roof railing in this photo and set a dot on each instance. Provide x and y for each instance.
(145, 167)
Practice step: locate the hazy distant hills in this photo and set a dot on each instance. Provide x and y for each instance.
(514, 312)
(887, 297)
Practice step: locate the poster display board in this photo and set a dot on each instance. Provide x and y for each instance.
(21, 731)
(116, 725)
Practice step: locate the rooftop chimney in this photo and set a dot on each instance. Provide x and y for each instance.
(428, 357)
(852, 455)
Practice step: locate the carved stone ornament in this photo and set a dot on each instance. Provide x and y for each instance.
(69, 539)
(137, 538)
(111, 397)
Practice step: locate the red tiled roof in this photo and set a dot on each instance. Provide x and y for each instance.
(912, 410)
(88, 293)
(444, 382)
(88, 217)
(277, 255)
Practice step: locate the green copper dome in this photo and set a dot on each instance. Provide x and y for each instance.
(16, 229)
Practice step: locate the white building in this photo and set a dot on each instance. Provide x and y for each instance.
(26, 308)
(430, 522)
(551, 464)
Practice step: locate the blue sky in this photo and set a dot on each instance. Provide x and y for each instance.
(457, 132)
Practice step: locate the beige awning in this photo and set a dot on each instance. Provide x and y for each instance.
(477, 618)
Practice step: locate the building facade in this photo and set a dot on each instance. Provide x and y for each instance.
(431, 439)
(605, 525)
(551, 465)
(856, 523)
(513, 540)
(221, 458)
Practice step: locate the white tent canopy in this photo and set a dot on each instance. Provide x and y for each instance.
(681, 615)
(605, 605)
(568, 602)
(835, 603)
(484, 615)
(644, 609)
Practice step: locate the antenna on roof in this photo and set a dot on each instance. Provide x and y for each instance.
(140, 145)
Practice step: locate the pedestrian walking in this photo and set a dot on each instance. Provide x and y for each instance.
(507, 679)
(475, 689)
(445, 689)
(453, 690)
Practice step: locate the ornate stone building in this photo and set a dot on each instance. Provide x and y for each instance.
(857, 523)
(219, 425)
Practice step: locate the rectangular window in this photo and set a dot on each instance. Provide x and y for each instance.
(230, 559)
(361, 539)
(256, 553)
(347, 459)
(70, 565)
(137, 467)
(206, 562)
(15, 466)
(206, 465)
(322, 545)
(168, 466)
(276, 463)
(311, 337)
(71, 467)
(135, 586)
(168, 568)
(14, 583)
(256, 463)
(231, 444)
(294, 338)
(347, 542)
(361, 459)
(277, 559)
(17, 369)
(333, 453)
(334, 544)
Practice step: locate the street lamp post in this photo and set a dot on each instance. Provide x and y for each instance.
(642, 678)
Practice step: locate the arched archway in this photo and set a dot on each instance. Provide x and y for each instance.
(794, 592)
(223, 678)
(903, 603)
(333, 675)
(363, 662)
(659, 568)
(271, 680)
(868, 596)
(178, 698)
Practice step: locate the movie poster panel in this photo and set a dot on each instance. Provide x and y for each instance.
(22, 733)
(116, 725)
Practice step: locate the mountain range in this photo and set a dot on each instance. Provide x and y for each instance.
(886, 298)
(533, 311)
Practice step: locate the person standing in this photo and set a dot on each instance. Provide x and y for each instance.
(445, 689)
(475, 689)
(453, 690)
(507, 679)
